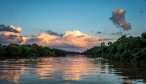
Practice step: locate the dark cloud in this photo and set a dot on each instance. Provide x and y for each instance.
(99, 32)
(117, 33)
(118, 18)
(53, 33)
(121, 33)
(143, 11)
(10, 29)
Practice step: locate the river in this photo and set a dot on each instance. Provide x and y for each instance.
(72, 69)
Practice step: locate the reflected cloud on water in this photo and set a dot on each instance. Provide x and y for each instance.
(70, 68)
(73, 68)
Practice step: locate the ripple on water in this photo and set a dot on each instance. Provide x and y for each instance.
(68, 70)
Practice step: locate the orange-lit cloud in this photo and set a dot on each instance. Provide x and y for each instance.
(70, 40)
(10, 37)
(10, 34)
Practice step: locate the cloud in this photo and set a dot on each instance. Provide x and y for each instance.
(10, 34)
(117, 33)
(143, 11)
(53, 33)
(121, 33)
(70, 40)
(99, 32)
(10, 29)
(10, 37)
(118, 18)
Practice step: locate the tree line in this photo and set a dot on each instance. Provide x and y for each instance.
(28, 51)
(130, 49)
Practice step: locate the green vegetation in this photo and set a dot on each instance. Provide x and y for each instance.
(28, 51)
(130, 49)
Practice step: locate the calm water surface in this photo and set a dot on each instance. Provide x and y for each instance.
(74, 69)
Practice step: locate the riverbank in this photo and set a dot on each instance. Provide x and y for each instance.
(29, 51)
(129, 49)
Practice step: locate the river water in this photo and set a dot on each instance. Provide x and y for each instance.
(73, 69)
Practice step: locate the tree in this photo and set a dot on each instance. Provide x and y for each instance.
(130, 49)
(143, 35)
(13, 50)
(109, 43)
(103, 44)
(2, 51)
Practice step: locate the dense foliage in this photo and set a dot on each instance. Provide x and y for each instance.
(131, 49)
(15, 50)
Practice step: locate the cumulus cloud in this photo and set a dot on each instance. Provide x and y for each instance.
(10, 37)
(70, 40)
(10, 34)
(80, 39)
(118, 18)
(10, 28)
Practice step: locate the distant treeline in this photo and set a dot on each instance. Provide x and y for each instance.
(28, 51)
(131, 49)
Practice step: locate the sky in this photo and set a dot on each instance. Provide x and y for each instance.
(70, 24)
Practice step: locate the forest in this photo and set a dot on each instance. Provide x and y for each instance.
(28, 51)
(129, 49)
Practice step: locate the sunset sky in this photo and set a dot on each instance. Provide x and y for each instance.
(70, 24)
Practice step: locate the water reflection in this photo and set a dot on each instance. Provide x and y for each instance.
(11, 69)
(71, 68)
(76, 68)
(132, 73)
(45, 68)
(68, 70)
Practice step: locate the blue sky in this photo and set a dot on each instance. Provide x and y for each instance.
(87, 16)
(63, 15)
